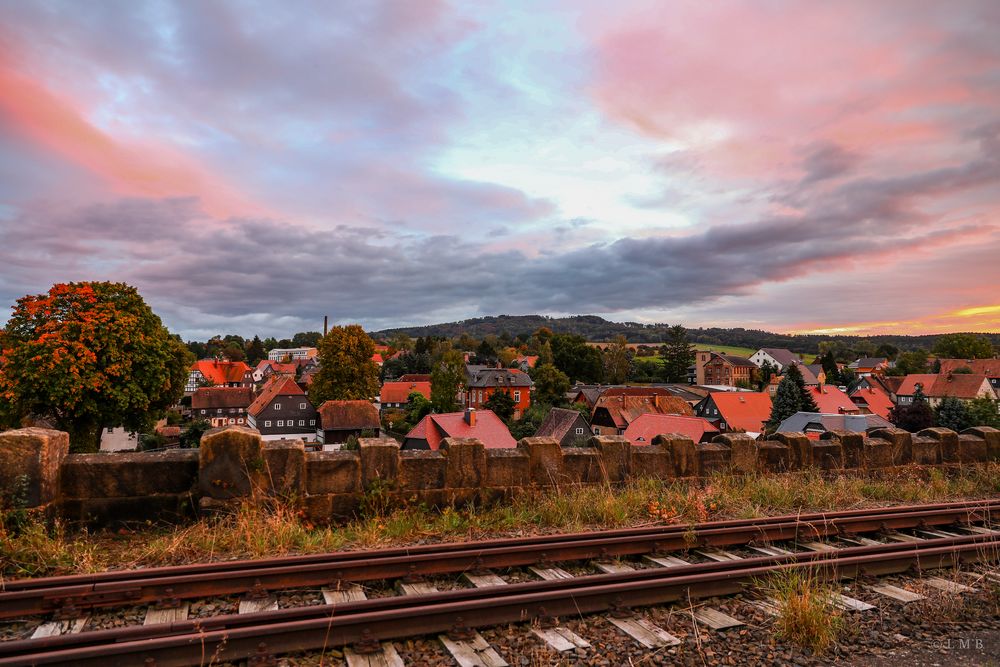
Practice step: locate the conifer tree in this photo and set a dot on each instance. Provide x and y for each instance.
(787, 401)
(952, 413)
(806, 401)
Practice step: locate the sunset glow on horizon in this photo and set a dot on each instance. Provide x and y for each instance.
(789, 166)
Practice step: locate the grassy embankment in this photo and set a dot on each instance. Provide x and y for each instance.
(267, 528)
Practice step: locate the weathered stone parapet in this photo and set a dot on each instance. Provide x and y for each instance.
(749, 455)
(230, 464)
(990, 436)
(421, 469)
(333, 472)
(800, 448)
(583, 465)
(510, 469)
(31, 460)
(926, 451)
(129, 474)
(852, 446)
(713, 457)
(465, 463)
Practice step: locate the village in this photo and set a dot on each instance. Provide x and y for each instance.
(496, 402)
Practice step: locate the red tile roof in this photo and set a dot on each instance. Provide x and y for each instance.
(221, 372)
(414, 377)
(280, 385)
(875, 399)
(909, 384)
(648, 426)
(746, 410)
(958, 385)
(399, 392)
(489, 429)
(221, 397)
(349, 415)
(988, 367)
(291, 368)
(624, 405)
(831, 400)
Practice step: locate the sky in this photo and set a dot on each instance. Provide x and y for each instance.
(254, 166)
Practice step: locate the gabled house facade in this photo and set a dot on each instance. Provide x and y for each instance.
(620, 406)
(936, 387)
(222, 406)
(646, 427)
(217, 373)
(396, 395)
(869, 365)
(729, 370)
(989, 368)
(780, 358)
(480, 424)
(736, 411)
(482, 381)
(282, 410)
(567, 426)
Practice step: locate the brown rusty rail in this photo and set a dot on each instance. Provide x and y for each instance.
(275, 574)
(313, 628)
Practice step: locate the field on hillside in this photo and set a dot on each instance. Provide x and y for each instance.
(727, 349)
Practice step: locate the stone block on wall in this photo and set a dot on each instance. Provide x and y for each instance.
(992, 438)
(545, 460)
(712, 457)
(902, 443)
(507, 468)
(129, 474)
(583, 465)
(972, 448)
(379, 461)
(230, 464)
(421, 469)
(925, 451)
(333, 472)
(682, 454)
(466, 463)
(30, 462)
(284, 467)
(827, 454)
(878, 453)
(947, 441)
(800, 448)
(651, 462)
(616, 456)
(851, 443)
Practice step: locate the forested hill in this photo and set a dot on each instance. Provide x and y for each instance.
(596, 328)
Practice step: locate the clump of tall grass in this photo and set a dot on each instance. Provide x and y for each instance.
(806, 613)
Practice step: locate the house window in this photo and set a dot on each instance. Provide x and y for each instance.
(281, 423)
(517, 397)
(277, 406)
(597, 430)
(202, 412)
(232, 421)
(579, 430)
(239, 420)
(302, 422)
(312, 422)
(302, 406)
(722, 424)
(267, 424)
(232, 410)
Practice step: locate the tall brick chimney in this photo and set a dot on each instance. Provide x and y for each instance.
(470, 416)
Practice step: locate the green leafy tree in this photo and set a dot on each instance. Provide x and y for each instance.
(787, 401)
(617, 361)
(551, 385)
(306, 339)
(952, 413)
(528, 424)
(346, 370)
(502, 404)
(573, 356)
(91, 356)
(914, 361)
(447, 379)
(767, 371)
(234, 352)
(255, 351)
(914, 417)
(418, 407)
(806, 401)
(830, 368)
(982, 411)
(963, 346)
(678, 354)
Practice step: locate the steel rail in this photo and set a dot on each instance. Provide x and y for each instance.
(444, 547)
(230, 638)
(70, 600)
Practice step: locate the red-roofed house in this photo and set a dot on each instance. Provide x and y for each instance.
(736, 410)
(873, 400)
(216, 373)
(480, 424)
(396, 395)
(935, 387)
(282, 410)
(832, 401)
(987, 367)
(267, 367)
(340, 420)
(620, 406)
(648, 426)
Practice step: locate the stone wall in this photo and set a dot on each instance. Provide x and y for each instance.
(233, 463)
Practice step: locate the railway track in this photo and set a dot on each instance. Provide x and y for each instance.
(776, 543)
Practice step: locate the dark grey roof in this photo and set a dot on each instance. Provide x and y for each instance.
(483, 376)
(868, 362)
(558, 423)
(736, 360)
(802, 421)
(781, 355)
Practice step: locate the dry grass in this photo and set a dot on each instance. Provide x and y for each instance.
(807, 615)
(268, 528)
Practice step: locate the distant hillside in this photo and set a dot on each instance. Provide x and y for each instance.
(595, 328)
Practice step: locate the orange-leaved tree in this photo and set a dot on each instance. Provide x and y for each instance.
(88, 356)
(346, 369)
